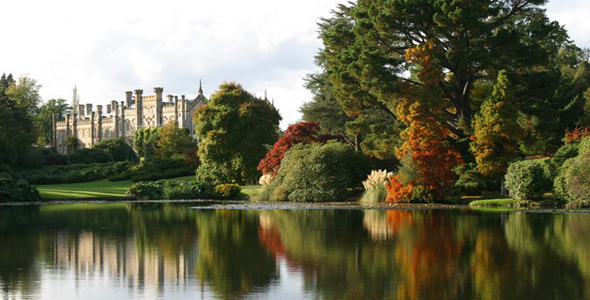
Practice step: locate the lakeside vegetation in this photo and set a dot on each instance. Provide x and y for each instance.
(415, 90)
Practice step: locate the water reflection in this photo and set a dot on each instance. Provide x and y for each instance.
(156, 250)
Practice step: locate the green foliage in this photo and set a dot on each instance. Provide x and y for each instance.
(146, 142)
(471, 182)
(572, 183)
(72, 173)
(118, 149)
(43, 119)
(560, 182)
(174, 141)
(17, 190)
(584, 146)
(235, 130)
(157, 169)
(89, 156)
(16, 132)
(317, 173)
(227, 191)
(365, 43)
(564, 153)
(171, 190)
(496, 130)
(529, 179)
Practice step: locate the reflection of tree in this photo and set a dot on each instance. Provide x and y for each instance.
(429, 257)
(334, 253)
(230, 259)
(18, 249)
(571, 233)
(533, 269)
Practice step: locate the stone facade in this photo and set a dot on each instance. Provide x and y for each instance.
(121, 119)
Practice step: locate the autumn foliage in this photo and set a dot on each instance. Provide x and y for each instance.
(576, 134)
(425, 139)
(304, 132)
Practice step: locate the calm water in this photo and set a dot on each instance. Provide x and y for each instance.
(170, 251)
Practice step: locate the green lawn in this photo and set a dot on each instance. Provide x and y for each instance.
(105, 188)
(100, 188)
(493, 202)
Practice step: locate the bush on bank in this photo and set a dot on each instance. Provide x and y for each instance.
(180, 190)
(529, 179)
(317, 173)
(17, 190)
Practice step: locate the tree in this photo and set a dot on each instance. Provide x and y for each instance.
(43, 119)
(234, 129)
(300, 133)
(365, 45)
(16, 132)
(428, 159)
(496, 130)
(369, 129)
(174, 141)
(25, 92)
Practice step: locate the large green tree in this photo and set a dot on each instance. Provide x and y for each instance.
(16, 132)
(235, 130)
(43, 119)
(367, 43)
(370, 129)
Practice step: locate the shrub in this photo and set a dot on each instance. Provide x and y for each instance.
(317, 172)
(562, 154)
(471, 182)
(227, 191)
(146, 190)
(375, 189)
(89, 156)
(573, 182)
(157, 169)
(178, 192)
(559, 183)
(584, 146)
(13, 190)
(118, 149)
(72, 173)
(529, 179)
(170, 190)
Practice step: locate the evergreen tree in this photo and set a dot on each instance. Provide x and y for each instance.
(496, 130)
(235, 130)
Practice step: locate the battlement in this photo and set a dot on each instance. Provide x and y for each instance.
(121, 118)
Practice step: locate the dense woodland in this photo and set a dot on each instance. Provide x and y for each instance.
(450, 98)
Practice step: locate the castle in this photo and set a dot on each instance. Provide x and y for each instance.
(123, 119)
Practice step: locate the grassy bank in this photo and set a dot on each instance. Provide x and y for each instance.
(105, 188)
(493, 202)
(99, 188)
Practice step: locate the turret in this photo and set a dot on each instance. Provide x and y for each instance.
(99, 123)
(139, 108)
(81, 111)
(158, 91)
(88, 109)
(128, 98)
(115, 114)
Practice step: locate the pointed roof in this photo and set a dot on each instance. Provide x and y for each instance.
(200, 97)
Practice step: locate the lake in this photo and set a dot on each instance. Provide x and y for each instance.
(177, 251)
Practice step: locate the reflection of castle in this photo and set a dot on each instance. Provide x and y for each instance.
(126, 259)
(122, 119)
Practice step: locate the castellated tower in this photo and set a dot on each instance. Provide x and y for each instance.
(122, 118)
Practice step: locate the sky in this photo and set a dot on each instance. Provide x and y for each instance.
(111, 46)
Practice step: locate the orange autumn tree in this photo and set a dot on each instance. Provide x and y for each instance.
(427, 157)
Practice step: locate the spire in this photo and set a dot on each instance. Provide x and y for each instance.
(200, 87)
(265, 98)
(75, 100)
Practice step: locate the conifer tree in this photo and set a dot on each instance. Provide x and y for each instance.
(494, 142)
